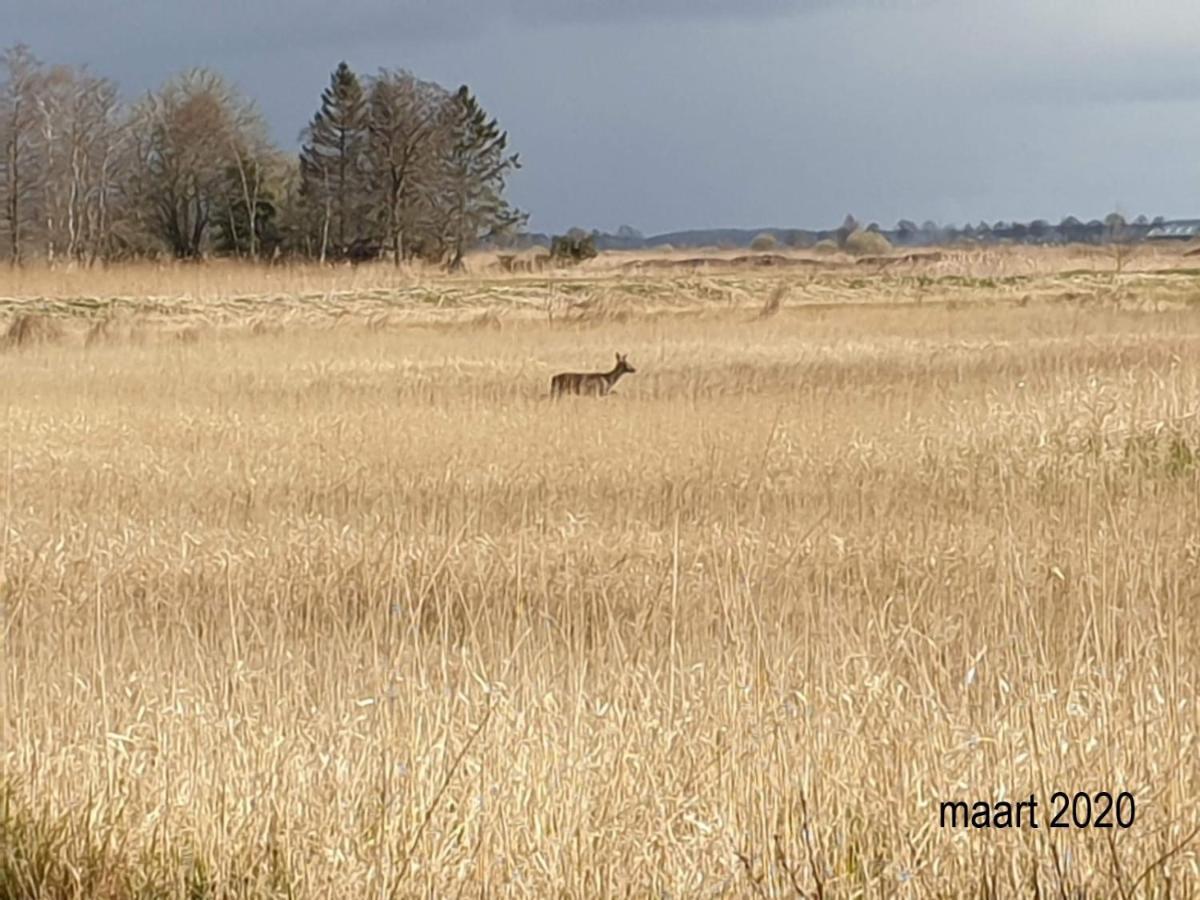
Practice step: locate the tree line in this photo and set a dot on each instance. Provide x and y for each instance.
(1114, 228)
(391, 166)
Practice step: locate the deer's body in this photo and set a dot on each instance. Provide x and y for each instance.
(593, 384)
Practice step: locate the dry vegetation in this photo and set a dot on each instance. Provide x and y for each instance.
(314, 593)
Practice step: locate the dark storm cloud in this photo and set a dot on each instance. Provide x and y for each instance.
(688, 113)
(318, 22)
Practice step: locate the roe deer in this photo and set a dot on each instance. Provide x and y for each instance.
(595, 384)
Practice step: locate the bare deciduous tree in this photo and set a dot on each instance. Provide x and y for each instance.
(407, 126)
(77, 137)
(398, 165)
(21, 69)
(188, 137)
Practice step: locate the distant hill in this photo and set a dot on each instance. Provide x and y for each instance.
(699, 237)
(906, 234)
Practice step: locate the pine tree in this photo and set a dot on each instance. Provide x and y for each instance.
(332, 163)
(476, 168)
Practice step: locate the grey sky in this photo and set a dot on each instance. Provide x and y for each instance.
(669, 114)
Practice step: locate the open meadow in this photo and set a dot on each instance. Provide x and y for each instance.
(307, 589)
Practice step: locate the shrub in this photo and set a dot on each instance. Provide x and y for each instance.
(867, 243)
(573, 247)
(764, 241)
(825, 246)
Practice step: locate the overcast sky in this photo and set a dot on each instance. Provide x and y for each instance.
(670, 114)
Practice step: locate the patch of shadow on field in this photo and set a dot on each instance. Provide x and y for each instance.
(116, 328)
(28, 329)
(751, 261)
(79, 854)
(592, 311)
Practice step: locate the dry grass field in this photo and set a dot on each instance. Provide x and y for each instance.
(308, 590)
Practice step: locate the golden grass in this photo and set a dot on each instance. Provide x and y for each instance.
(226, 279)
(355, 610)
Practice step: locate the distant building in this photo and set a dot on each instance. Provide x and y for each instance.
(1177, 230)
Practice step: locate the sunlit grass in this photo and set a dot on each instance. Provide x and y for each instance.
(357, 611)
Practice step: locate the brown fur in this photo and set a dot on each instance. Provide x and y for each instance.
(593, 384)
